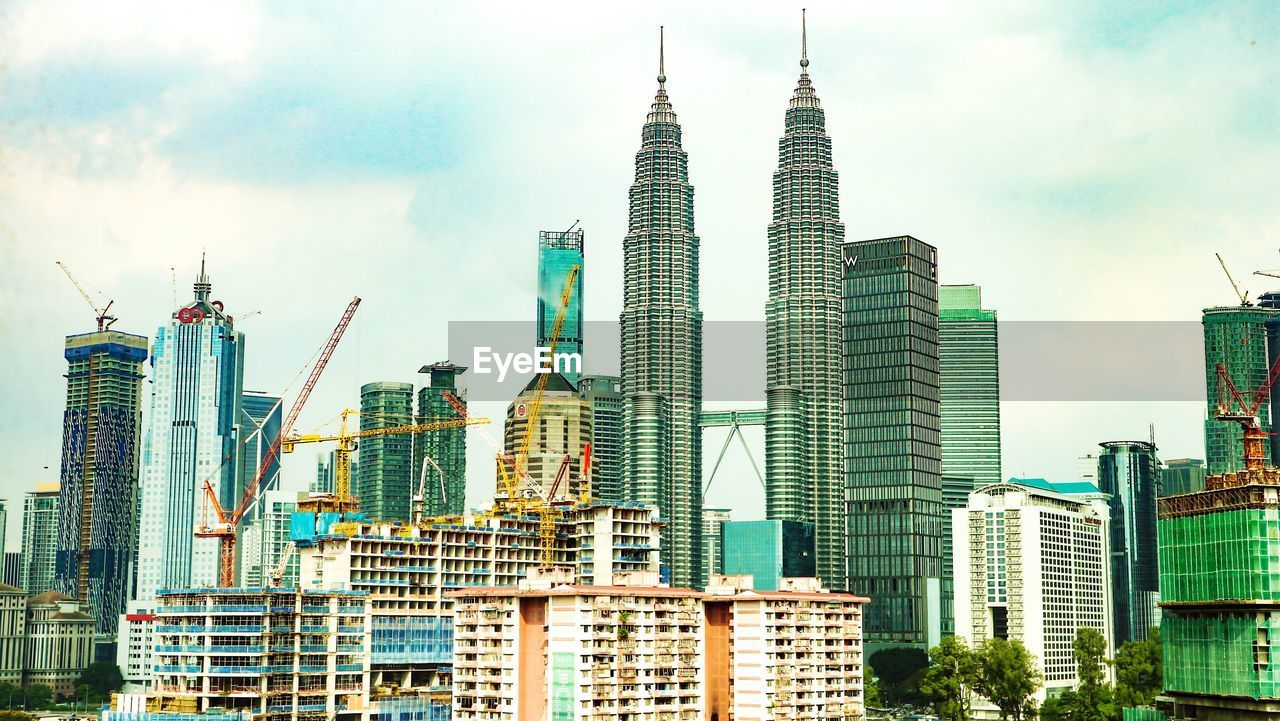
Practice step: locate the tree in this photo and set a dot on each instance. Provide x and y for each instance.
(102, 677)
(1139, 671)
(1094, 698)
(1008, 677)
(871, 694)
(898, 669)
(952, 674)
(38, 696)
(6, 715)
(10, 693)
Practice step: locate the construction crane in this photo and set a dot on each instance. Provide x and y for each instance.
(505, 460)
(1243, 296)
(419, 498)
(100, 314)
(226, 524)
(535, 407)
(1235, 408)
(277, 573)
(341, 499)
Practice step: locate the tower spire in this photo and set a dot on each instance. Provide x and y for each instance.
(804, 42)
(662, 62)
(202, 284)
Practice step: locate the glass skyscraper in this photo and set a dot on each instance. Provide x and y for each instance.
(604, 393)
(1130, 472)
(802, 337)
(1181, 475)
(768, 551)
(447, 447)
(40, 538)
(1236, 337)
(196, 393)
(661, 329)
(558, 252)
(893, 459)
(101, 434)
(260, 421)
(386, 474)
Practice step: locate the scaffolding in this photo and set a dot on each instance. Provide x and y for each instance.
(1218, 556)
(411, 640)
(1142, 713)
(1222, 653)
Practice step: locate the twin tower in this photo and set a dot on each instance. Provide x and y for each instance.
(661, 328)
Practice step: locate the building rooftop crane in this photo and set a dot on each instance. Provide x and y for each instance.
(1235, 408)
(100, 314)
(1243, 296)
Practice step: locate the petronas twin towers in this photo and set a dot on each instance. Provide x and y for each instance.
(661, 328)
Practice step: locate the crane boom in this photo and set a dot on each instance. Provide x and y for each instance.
(1244, 297)
(100, 314)
(1245, 413)
(535, 408)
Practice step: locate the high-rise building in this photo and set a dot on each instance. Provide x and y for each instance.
(260, 418)
(101, 431)
(713, 520)
(40, 538)
(325, 468)
(1031, 566)
(769, 551)
(1181, 475)
(562, 432)
(1130, 472)
(893, 461)
(263, 541)
(558, 252)
(661, 329)
(803, 480)
(386, 479)
(197, 385)
(1236, 338)
(447, 447)
(604, 394)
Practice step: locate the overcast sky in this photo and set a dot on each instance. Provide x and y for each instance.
(1080, 161)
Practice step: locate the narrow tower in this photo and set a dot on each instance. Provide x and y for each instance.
(802, 316)
(662, 341)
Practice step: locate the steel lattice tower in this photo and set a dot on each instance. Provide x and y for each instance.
(662, 342)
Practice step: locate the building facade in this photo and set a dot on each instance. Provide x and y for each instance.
(562, 433)
(134, 644)
(1032, 566)
(387, 478)
(59, 642)
(713, 520)
(604, 394)
(197, 384)
(1130, 472)
(769, 551)
(447, 447)
(661, 342)
(1236, 337)
(264, 541)
(1181, 475)
(892, 449)
(13, 633)
(260, 419)
(558, 253)
(803, 479)
(40, 516)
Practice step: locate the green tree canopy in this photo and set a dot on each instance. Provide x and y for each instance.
(39, 696)
(898, 670)
(1139, 671)
(952, 674)
(102, 677)
(1008, 677)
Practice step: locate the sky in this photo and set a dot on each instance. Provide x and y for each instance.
(1080, 161)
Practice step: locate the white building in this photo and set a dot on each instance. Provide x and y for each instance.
(196, 396)
(133, 643)
(13, 633)
(59, 642)
(1032, 565)
(263, 541)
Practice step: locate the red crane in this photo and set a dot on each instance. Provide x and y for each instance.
(1244, 412)
(225, 528)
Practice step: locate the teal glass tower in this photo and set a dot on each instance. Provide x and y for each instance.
(558, 252)
(447, 447)
(768, 551)
(802, 337)
(604, 393)
(383, 481)
(1237, 338)
(1130, 472)
(893, 458)
(661, 348)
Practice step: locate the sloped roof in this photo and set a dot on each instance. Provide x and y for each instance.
(6, 588)
(48, 598)
(555, 383)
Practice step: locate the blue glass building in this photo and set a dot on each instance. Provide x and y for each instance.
(768, 551)
(558, 252)
(260, 418)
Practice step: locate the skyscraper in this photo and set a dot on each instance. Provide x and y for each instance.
(101, 431)
(1181, 475)
(1236, 337)
(661, 330)
(40, 538)
(802, 337)
(713, 519)
(197, 386)
(448, 447)
(260, 418)
(604, 394)
(386, 476)
(768, 551)
(263, 542)
(325, 468)
(563, 430)
(558, 252)
(1130, 472)
(893, 461)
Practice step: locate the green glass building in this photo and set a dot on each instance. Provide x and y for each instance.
(768, 551)
(1181, 475)
(1129, 472)
(604, 393)
(892, 452)
(1236, 337)
(558, 252)
(661, 344)
(448, 447)
(386, 462)
(802, 333)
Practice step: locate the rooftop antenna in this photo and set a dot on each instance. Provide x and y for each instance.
(662, 62)
(804, 42)
(173, 283)
(575, 224)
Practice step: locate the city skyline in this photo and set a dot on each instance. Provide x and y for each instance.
(43, 300)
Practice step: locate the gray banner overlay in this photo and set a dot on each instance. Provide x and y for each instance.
(1039, 360)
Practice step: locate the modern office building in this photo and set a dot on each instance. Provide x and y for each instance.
(13, 634)
(59, 642)
(197, 385)
(803, 479)
(263, 541)
(447, 447)
(713, 520)
(1032, 565)
(604, 394)
(1130, 472)
(769, 551)
(387, 478)
(40, 517)
(101, 434)
(558, 252)
(562, 434)
(893, 459)
(260, 418)
(661, 341)
(1181, 475)
(1237, 337)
